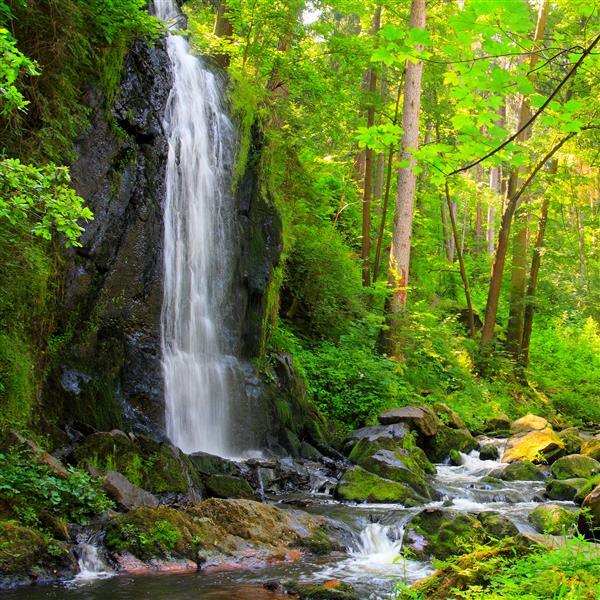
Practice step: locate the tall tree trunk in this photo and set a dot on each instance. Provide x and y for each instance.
(463, 272)
(514, 332)
(534, 274)
(495, 186)
(223, 29)
(491, 308)
(447, 233)
(405, 196)
(517, 301)
(368, 183)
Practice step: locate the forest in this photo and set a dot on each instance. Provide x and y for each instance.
(302, 297)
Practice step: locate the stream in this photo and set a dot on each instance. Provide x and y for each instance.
(371, 565)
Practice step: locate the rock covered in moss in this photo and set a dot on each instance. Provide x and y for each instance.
(589, 519)
(401, 466)
(124, 493)
(368, 440)
(209, 464)
(227, 486)
(448, 416)
(564, 489)
(591, 448)
(528, 423)
(551, 518)
(572, 439)
(489, 452)
(586, 489)
(333, 589)
(456, 458)
(522, 471)
(575, 465)
(157, 467)
(360, 485)
(497, 425)
(420, 418)
(442, 534)
(536, 447)
(26, 555)
(470, 569)
(446, 439)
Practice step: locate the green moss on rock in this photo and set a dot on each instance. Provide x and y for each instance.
(226, 486)
(522, 471)
(575, 465)
(362, 486)
(565, 489)
(438, 447)
(551, 518)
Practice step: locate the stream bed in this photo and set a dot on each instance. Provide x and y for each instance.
(371, 565)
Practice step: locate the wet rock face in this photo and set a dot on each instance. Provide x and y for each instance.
(109, 372)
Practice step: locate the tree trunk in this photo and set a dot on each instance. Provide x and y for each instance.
(223, 29)
(405, 197)
(514, 332)
(368, 182)
(534, 274)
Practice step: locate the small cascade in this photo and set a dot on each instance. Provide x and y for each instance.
(376, 544)
(90, 559)
(201, 374)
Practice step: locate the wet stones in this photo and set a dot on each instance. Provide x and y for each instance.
(522, 471)
(536, 447)
(421, 418)
(575, 465)
(489, 452)
(551, 518)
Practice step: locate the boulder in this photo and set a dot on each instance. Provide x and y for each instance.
(438, 447)
(157, 467)
(522, 471)
(572, 440)
(528, 423)
(456, 458)
(227, 486)
(575, 465)
(334, 589)
(28, 555)
(497, 425)
(564, 489)
(537, 446)
(388, 437)
(360, 485)
(399, 466)
(124, 493)
(591, 448)
(489, 452)
(589, 519)
(551, 518)
(420, 418)
(439, 533)
(209, 464)
(448, 416)
(586, 489)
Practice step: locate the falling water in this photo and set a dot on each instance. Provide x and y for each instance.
(199, 371)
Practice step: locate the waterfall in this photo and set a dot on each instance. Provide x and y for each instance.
(200, 371)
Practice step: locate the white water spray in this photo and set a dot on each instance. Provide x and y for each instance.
(199, 370)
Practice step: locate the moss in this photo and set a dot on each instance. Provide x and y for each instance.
(565, 489)
(330, 590)
(359, 485)
(592, 448)
(438, 447)
(575, 465)
(552, 518)
(26, 553)
(155, 532)
(586, 489)
(319, 542)
(522, 471)
(537, 446)
(226, 486)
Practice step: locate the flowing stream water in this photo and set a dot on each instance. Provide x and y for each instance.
(201, 374)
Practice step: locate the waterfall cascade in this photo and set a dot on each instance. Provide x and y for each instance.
(201, 374)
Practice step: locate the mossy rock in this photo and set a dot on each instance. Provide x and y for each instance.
(442, 534)
(420, 418)
(591, 448)
(360, 485)
(153, 466)
(492, 482)
(161, 532)
(522, 471)
(448, 416)
(330, 590)
(551, 518)
(586, 489)
(266, 525)
(437, 448)
(497, 425)
(575, 465)
(395, 431)
(589, 518)
(564, 489)
(528, 423)
(471, 569)
(572, 439)
(226, 486)
(27, 555)
(209, 464)
(489, 452)
(399, 466)
(537, 447)
(455, 458)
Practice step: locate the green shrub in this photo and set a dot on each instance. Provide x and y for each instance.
(30, 489)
